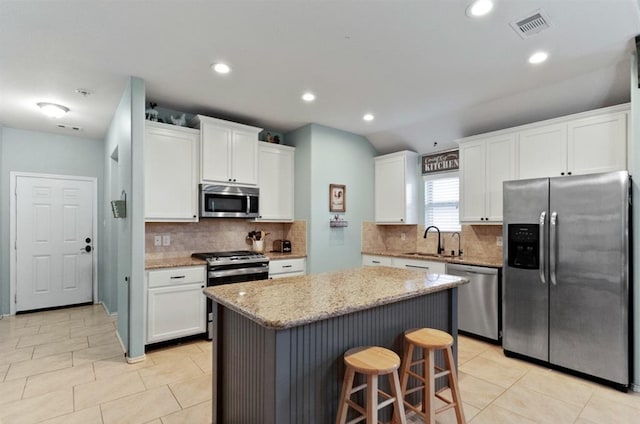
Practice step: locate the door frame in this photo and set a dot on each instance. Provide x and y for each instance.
(13, 236)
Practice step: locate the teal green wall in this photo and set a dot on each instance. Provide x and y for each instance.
(329, 156)
(634, 151)
(46, 153)
(124, 271)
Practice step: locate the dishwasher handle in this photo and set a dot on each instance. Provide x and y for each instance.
(471, 269)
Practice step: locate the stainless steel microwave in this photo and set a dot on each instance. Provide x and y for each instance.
(224, 201)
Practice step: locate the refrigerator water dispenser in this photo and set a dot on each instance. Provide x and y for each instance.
(523, 246)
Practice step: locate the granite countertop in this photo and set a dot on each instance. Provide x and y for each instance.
(294, 301)
(173, 262)
(463, 260)
(178, 261)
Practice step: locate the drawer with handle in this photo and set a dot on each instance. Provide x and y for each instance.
(373, 260)
(281, 266)
(176, 276)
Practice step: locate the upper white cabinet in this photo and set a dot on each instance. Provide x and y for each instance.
(396, 188)
(597, 144)
(276, 181)
(585, 145)
(171, 172)
(484, 165)
(228, 152)
(542, 151)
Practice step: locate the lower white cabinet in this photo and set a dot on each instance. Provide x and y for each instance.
(419, 264)
(280, 268)
(372, 260)
(176, 306)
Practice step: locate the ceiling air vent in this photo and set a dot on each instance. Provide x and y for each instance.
(69, 127)
(533, 24)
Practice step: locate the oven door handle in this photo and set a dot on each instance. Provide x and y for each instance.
(238, 271)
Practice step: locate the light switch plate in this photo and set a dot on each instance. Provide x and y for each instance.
(498, 240)
(166, 240)
(157, 241)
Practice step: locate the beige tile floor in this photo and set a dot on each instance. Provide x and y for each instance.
(66, 366)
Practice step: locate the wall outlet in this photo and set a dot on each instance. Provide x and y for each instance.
(403, 236)
(498, 240)
(157, 241)
(166, 240)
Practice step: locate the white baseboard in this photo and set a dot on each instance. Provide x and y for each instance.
(136, 359)
(114, 314)
(635, 387)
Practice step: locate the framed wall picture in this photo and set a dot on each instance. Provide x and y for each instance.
(337, 198)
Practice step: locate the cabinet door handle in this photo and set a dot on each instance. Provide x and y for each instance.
(287, 266)
(202, 287)
(375, 262)
(416, 266)
(176, 277)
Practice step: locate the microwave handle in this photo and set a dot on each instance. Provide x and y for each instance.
(248, 204)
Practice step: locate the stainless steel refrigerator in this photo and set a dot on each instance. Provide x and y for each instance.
(566, 272)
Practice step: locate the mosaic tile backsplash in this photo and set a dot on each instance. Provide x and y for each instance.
(210, 235)
(477, 241)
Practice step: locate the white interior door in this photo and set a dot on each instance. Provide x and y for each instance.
(54, 242)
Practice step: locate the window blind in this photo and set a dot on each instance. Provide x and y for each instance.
(441, 198)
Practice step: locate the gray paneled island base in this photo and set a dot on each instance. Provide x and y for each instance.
(278, 344)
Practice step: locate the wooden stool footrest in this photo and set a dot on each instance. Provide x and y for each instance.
(358, 388)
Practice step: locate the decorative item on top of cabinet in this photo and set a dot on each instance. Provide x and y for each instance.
(484, 165)
(171, 173)
(276, 170)
(228, 151)
(396, 188)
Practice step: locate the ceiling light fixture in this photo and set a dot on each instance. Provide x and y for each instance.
(308, 97)
(53, 110)
(368, 117)
(479, 8)
(221, 68)
(538, 57)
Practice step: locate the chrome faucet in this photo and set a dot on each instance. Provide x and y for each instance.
(459, 249)
(440, 248)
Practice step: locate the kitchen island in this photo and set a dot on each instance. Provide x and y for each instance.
(278, 344)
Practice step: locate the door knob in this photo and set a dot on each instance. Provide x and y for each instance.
(86, 249)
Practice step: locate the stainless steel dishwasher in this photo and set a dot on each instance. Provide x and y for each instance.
(479, 306)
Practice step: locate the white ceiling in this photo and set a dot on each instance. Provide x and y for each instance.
(427, 71)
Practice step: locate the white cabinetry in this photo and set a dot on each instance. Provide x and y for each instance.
(396, 188)
(578, 146)
(432, 267)
(171, 172)
(372, 260)
(419, 264)
(176, 306)
(276, 182)
(280, 268)
(542, 151)
(228, 152)
(484, 165)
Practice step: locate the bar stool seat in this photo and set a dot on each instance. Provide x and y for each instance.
(430, 340)
(372, 361)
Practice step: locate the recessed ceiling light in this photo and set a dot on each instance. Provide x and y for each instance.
(221, 68)
(84, 92)
(308, 97)
(479, 8)
(538, 57)
(368, 117)
(53, 110)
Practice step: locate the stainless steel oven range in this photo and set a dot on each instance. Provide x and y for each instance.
(232, 267)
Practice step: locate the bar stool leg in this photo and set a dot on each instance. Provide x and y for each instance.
(398, 404)
(428, 397)
(346, 389)
(406, 365)
(453, 384)
(372, 398)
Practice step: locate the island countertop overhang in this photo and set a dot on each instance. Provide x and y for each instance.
(294, 301)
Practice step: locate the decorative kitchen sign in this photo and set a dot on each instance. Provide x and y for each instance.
(440, 162)
(337, 198)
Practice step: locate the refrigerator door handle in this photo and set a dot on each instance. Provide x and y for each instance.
(543, 219)
(552, 248)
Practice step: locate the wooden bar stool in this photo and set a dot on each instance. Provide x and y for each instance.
(371, 361)
(430, 340)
